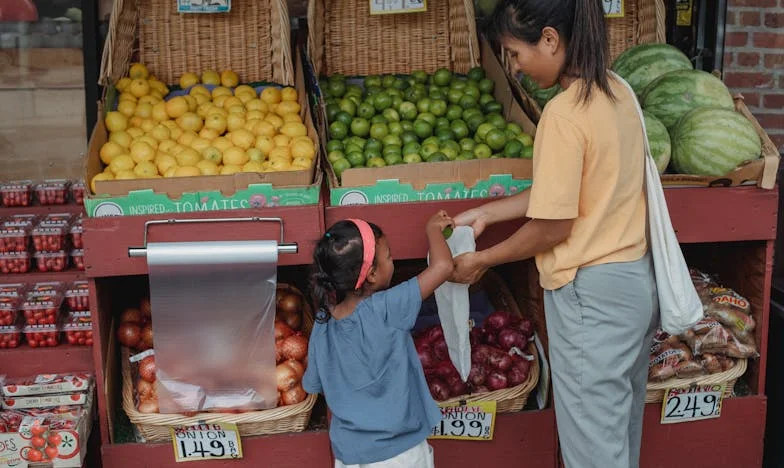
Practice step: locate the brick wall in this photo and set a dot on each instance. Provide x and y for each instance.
(754, 60)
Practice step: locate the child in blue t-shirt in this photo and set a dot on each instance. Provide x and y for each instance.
(361, 355)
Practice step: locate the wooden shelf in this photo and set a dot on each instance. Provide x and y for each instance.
(25, 361)
(36, 276)
(41, 209)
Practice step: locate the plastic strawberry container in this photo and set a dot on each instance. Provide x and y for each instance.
(13, 290)
(77, 297)
(51, 261)
(9, 310)
(52, 192)
(49, 238)
(46, 289)
(78, 331)
(17, 193)
(15, 233)
(77, 191)
(41, 310)
(42, 336)
(76, 234)
(10, 336)
(15, 262)
(77, 259)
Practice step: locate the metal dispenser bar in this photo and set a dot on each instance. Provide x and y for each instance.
(283, 247)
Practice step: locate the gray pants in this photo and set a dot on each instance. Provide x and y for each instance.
(600, 328)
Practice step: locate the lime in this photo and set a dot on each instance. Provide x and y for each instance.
(337, 88)
(437, 157)
(354, 90)
(476, 74)
(493, 106)
(392, 148)
(356, 159)
(496, 139)
(409, 137)
(454, 112)
(445, 134)
(352, 149)
(460, 129)
(474, 122)
(376, 162)
(344, 117)
(369, 154)
(513, 149)
(423, 105)
(450, 153)
(484, 99)
(401, 85)
(454, 95)
(412, 158)
(436, 93)
(373, 91)
(419, 76)
(392, 140)
(393, 159)
(379, 130)
(465, 156)
(335, 155)
(340, 165)
(366, 110)
(472, 91)
(497, 156)
(423, 129)
(514, 128)
(395, 128)
(334, 145)
(396, 101)
(438, 107)
(427, 150)
(442, 77)
(458, 83)
(486, 86)
(447, 232)
(451, 144)
(528, 152)
(408, 110)
(332, 111)
(427, 117)
(338, 130)
(414, 94)
(378, 119)
(382, 101)
(468, 113)
(360, 127)
(348, 106)
(526, 139)
(355, 141)
(442, 122)
(372, 81)
(484, 130)
(407, 125)
(391, 115)
(355, 99)
(497, 121)
(388, 81)
(412, 147)
(482, 151)
(467, 144)
(433, 140)
(374, 144)
(468, 102)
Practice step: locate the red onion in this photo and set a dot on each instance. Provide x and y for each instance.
(499, 359)
(505, 363)
(526, 327)
(420, 341)
(491, 339)
(439, 390)
(515, 376)
(445, 370)
(509, 338)
(475, 336)
(498, 320)
(496, 381)
(426, 356)
(440, 350)
(522, 364)
(481, 389)
(480, 354)
(477, 375)
(433, 333)
(456, 386)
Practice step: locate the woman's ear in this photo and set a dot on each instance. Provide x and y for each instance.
(550, 40)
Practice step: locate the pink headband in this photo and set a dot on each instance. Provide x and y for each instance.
(368, 249)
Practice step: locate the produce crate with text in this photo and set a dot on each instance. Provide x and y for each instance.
(441, 124)
(178, 130)
(294, 320)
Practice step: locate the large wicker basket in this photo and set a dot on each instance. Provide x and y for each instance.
(655, 391)
(344, 38)
(253, 39)
(155, 427)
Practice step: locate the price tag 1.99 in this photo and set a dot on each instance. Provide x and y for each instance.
(206, 442)
(693, 403)
(472, 420)
(613, 8)
(389, 7)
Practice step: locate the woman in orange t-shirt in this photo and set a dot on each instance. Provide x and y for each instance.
(586, 228)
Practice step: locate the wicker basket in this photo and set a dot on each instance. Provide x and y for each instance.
(155, 427)
(344, 38)
(655, 392)
(253, 39)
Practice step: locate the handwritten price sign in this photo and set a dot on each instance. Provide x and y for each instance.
(613, 8)
(466, 421)
(388, 7)
(693, 403)
(206, 442)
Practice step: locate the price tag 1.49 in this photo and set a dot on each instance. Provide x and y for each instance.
(693, 403)
(472, 420)
(206, 442)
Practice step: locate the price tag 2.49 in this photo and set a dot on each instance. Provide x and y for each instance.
(693, 403)
(206, 442)
(472, 420)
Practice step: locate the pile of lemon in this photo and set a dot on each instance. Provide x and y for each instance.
(227, 130)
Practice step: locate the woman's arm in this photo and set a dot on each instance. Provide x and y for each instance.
(504, 209)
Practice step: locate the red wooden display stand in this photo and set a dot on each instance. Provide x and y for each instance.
(728, 229)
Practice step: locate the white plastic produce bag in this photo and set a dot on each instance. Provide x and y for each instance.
(453, 305)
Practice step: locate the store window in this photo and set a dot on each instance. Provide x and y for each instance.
(42, 89)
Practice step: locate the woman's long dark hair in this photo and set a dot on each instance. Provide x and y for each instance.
(336, 264)
(580, 23)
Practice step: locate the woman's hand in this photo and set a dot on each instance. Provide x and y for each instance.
(475, 217)
(469, 268)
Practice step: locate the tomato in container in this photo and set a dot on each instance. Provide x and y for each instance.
(78, 329)
(52, 192)
(42, 336)
(14, 238)
(49, 238)
(77, 192)
(42, 310)
(77, 259)
(9, 310)
(77, 297)
(76, 234)
(10, 336)
(17, 193)
(51, 261)
(15, 262)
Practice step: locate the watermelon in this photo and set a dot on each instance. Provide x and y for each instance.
(711, 141)
(541, 96)
(675, 93)
(642, 64)
(658, 141)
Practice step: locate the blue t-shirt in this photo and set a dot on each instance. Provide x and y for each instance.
(368, 370)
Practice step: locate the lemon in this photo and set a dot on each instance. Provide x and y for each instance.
(122, 138)
(166, 146)
(291, 118)
(141, 151)
(170, 124)
(213, 154)
(255, 115)
(161, 133)
(139, 87)
(294, 129)
(135, 132)
(188, 157)
(265, 128)
(109, 151)
(159, 113)
(221, 91)
(115, 121)
(149, 99)
(200, 90)
(252, 166)
(250, 125)
(187, 138)
(245, 97)
(303, 149)
(218, 101)
(302, 162)
(170, 171)
(281, 140)
(177, 149)
(210, 77)
(187, 171)
(200, 98)
(192, 102)
(190, 121)
(244, 89)
(207, 167)
(99, 177)
(242, 138)
(265, 144)
(136, 122)
(208, 134)
(280, 152)
(126, 96)
(145, 169)
(188, 79)
(122, 84)
(271, 95)
(279, 165)
(176, 132)
(234, 122)
(149, 140)
(125, 175)
(288, 94)
(159, 88)
(138, 71)
(122, 162)
(126, 108)
(230, 169)
(237, 110)
(288, 107)
(229, 79)
(148, 125)
(164, 161)
(177, 106)
(199, 144)
(215, 122)
(235, 156)
(222, 143)
(258, 105)
(275, 120)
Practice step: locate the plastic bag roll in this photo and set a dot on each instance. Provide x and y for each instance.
(213, 309)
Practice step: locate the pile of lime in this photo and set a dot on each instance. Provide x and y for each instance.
(403, 119)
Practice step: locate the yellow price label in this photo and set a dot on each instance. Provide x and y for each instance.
(389, 7)
(206, 442)
(613, 8)
(469, 420)
(694, 403)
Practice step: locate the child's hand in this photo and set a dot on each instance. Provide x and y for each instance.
(439, 222)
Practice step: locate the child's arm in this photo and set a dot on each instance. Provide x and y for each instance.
(441, 264)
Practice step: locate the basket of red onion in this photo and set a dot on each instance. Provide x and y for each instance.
(504, 362)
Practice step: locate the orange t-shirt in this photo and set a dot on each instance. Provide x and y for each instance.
(588, 166)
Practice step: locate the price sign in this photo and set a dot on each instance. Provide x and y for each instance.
(388, 7)
(206, 442)
(613, 8)
(692, 403)
(472, 420)
(203, 6)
